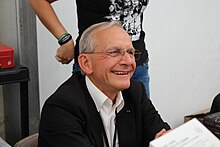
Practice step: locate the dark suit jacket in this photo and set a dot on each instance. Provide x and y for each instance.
(70, 119)
(215, 104)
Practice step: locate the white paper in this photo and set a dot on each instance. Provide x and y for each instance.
(191, 134)
(3, 143)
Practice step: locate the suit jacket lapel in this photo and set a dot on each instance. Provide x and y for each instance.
(126, 122)
(95, 122)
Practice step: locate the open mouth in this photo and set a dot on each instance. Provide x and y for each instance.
(121, 72)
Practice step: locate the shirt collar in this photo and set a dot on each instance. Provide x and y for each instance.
(100, 98)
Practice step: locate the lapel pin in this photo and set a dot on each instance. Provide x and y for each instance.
(128, 111)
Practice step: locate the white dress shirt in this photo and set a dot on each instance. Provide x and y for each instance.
(106, 109)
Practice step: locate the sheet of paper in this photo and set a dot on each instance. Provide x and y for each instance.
(3, 143)
(191, 134)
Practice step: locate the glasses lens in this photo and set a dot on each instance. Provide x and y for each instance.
(131, 52)
(114, 52)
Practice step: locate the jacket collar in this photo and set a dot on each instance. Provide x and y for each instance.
(126, 119)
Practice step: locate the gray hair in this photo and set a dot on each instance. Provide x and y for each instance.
(87, 43)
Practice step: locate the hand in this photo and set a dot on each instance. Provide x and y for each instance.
(65, 53)
(161, 133)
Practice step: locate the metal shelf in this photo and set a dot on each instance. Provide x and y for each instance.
(19, 74)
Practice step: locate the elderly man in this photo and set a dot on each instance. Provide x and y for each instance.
(104, 108)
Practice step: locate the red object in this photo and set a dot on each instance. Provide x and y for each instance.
(6, 56)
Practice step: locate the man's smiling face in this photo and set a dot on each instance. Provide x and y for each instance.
(112, 74)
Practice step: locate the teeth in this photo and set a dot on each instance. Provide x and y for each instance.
(121, 72)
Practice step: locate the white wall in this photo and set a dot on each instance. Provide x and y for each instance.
(51, 72)
(184, 44)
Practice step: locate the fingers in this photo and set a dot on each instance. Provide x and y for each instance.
(159, 134)
(63, 60)
(162, 132)
(65, 53)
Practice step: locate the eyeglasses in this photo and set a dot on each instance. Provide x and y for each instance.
(119, 53)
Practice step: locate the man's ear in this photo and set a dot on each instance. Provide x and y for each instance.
(85, 63)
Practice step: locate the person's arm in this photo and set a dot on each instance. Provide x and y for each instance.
(153, 124)
(60, 126)
(48, 17)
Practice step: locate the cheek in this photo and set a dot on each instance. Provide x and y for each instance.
(101, 67)
(134, 65)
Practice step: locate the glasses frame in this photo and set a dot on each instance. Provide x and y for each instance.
(110, 52)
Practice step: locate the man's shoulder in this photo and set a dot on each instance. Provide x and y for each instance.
(68, 93)
(70, 86)
(135, 92)
(136, 86)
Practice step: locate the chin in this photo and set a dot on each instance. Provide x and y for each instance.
(125, 86)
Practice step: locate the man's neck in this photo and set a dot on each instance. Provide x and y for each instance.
(111, 94)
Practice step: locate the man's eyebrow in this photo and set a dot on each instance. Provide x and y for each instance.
(115, 47)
